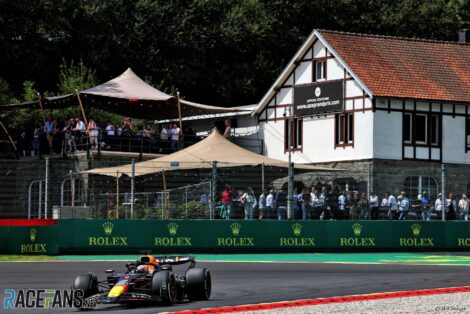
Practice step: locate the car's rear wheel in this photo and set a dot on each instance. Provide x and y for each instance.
(198, 284)
(164, 286)
(86, 282)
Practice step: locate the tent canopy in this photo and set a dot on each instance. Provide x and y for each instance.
(201, 156)
(128, 95)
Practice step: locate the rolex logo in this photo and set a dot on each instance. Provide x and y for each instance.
(357, 229)
(235, 227)
(32, 234)
(297, 228)
(416, 228)
(172, 228)
(108, 228)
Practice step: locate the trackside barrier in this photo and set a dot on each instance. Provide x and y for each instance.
(120, 236)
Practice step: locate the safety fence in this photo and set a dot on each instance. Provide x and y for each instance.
(184, 236)
(31, 188)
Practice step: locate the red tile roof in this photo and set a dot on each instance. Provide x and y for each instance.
(406, 68)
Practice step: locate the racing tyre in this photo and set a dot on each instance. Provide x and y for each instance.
(86, 282)
(164, 286)
(198, 284)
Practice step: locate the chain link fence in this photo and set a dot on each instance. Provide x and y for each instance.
(31, 188)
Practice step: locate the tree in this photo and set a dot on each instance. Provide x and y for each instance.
(74, 77)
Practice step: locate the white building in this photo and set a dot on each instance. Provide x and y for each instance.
(399, 104)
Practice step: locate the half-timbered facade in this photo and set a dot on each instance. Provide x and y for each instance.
(396, 103)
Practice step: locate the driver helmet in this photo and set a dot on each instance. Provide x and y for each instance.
(141, 269)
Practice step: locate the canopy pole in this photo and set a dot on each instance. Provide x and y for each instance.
(132, 188)
(42, 109)
(165, 196)
(179, 113)
(213, 188)
(117, 194)
(262, 177)
(81, 107)
(8, 134)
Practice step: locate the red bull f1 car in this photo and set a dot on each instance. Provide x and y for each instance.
(147, 279)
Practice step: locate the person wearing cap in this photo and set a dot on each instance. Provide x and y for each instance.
(425, 206)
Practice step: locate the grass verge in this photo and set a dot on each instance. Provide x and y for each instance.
(26, 258)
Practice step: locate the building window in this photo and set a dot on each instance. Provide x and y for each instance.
(297, 134)
(344, 126)
(416, 185)
(421, 128)
(407, 135)
(434, 129)
(467, 134)
(320, 70)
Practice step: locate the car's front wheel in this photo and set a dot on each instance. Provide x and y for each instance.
(86, 282)
(198, 284)
(164, 286)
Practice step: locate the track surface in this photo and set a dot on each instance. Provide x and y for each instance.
(245, 283)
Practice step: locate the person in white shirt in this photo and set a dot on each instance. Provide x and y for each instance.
(451, 205)
(342, 202)
(392, 202)
(110, 130)
(80, 130)
(463, 207)
(270, 204)
(374, 205)
(248, 200)
(262, 203)
(175, 137)
(164, 134)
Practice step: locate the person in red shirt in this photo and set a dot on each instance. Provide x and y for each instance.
(226, 203)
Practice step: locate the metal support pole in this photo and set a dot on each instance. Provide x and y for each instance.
(46, 189)
(213, 188)
(443, 191)
(72, 189)
(290, 176)
(40, 199)
(262, 177)
(186, 200)
(117, 194)
(369, 185)
(132, 188)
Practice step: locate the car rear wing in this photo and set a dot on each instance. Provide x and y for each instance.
(176, 260)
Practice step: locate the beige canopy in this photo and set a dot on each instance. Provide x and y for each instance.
(201, 156)
(128, 95)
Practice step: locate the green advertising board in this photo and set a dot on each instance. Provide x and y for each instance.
(238, 236)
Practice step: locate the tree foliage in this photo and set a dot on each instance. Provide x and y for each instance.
(221, 52)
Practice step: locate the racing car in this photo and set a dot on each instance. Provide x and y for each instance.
(148, 279)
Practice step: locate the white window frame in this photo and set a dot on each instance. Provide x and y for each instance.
(409, 117)
(322, 70)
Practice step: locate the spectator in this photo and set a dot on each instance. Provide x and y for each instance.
(248, 200)
(306, 203)
(463, 207)
(37, 138)
(354, 206)
(451, 206)
(49, 130)
(322, 201)
(425, 206)
(69, 137)
(374, 205)
(175, 133)
(92, 132)
(363, 206)
(262, 203)
(280, 202)
(164, 133)
(342, 205)
(392, 202)
(270, 204)
(228, 129)
(438, 203)
(403, 205)
(385, 205)
(78, 131)
(57, 139)
(110, 135)
(226, 203)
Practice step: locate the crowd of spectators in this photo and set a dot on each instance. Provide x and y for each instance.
(324, 204)
(74, 135)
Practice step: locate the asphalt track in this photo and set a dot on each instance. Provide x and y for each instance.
(247, 283)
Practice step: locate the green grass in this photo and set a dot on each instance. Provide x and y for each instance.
(26, 258)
